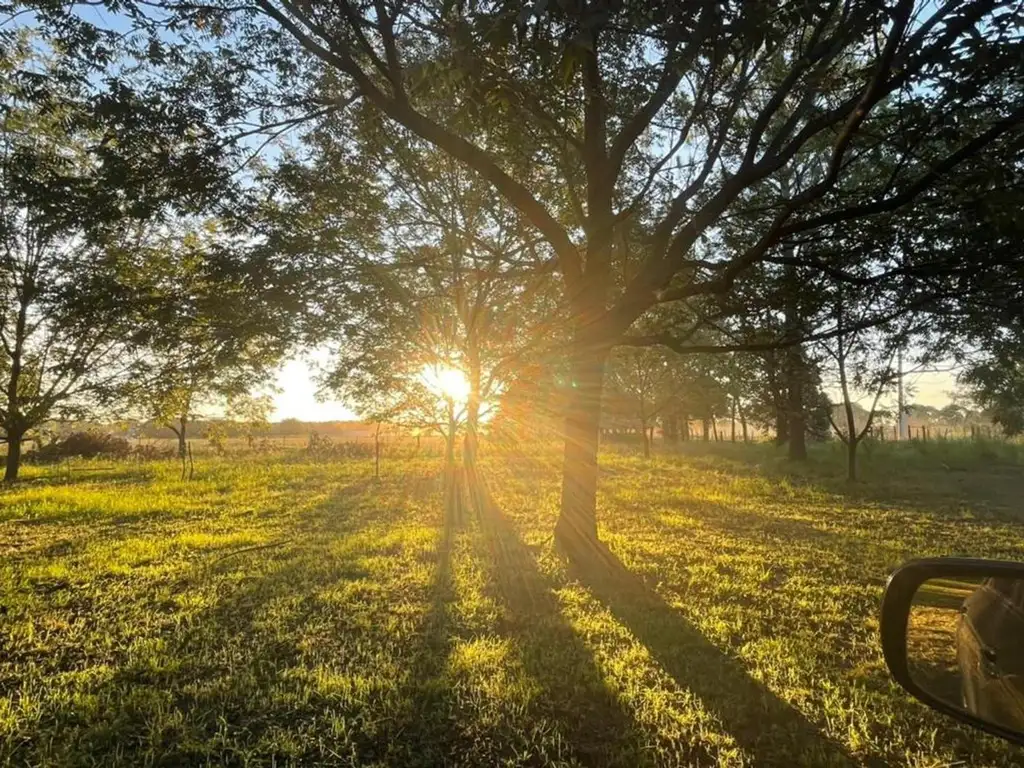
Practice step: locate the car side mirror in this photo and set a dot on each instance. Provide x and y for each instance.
(953, 636)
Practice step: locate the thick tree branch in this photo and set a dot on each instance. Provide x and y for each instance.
(455, 145)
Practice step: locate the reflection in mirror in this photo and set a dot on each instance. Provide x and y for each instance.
(965, 646)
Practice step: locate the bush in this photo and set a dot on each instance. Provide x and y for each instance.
(322, 448)
(86, 445)
(153, 453)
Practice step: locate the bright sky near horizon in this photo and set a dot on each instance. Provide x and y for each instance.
(297, 398)
(932, 388)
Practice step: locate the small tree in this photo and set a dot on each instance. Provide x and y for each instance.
(863, 361)
(252, 413)
(421, 399)
(646, 380)
(217, 335)
(436, 269)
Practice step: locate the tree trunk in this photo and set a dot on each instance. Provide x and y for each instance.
(471, 443)
(732, 436)
(781, 422)
(670, 428)
(778, 398)
(647, 442)
(449, 438)
(449, 451)
(180, 432)
(684, 431)
(851, 420)
(743, 425)
(706, 425)
(797, 428)
(16, 426)
(577, 521)
(376, 451)
(13, 462)
(794, 367)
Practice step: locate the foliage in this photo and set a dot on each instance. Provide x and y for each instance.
(991, 330)
(322, 448)
(424, 269)
(252, 413)
(642, 382)
(216, 437)
(86, 445)
(70, 315)
(218, 328)
(997, 385)
(145, 452)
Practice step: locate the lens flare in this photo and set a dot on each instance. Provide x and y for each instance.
(446, 382)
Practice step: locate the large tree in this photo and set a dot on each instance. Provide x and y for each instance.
(70, 319)
(667, 113)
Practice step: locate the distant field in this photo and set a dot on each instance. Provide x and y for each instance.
(278, 610)
(201, 445)
(238, 448)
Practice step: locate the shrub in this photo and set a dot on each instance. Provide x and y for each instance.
(153, 453)
(217, 437)
(322, 448)
(85, 445)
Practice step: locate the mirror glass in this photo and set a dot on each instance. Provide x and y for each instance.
(965, 646)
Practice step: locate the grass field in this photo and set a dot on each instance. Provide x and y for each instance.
(278, 611)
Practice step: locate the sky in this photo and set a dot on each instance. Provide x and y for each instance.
(297, 397)
(931, 388)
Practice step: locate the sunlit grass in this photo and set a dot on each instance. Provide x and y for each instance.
(275, 611)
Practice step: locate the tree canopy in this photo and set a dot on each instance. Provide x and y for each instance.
(678, 165)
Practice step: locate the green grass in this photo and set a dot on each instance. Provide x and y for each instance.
(275, 612)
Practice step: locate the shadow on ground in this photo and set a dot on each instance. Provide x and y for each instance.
(936, 478)
(292, 647)
(596, 725)
(764, 725)
(769, 729)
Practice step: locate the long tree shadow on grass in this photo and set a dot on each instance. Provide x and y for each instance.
(768, 728)
(427, 701)
(600, 730)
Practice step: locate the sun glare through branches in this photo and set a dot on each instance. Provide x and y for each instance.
(446, 382)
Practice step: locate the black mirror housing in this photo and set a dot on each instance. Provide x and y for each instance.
(897, 604)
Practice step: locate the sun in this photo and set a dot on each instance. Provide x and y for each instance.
(449, 383)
